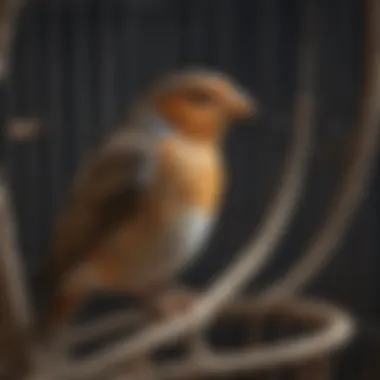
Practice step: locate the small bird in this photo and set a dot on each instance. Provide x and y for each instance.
(144, 202)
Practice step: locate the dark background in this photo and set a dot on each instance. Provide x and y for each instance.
(77, 65)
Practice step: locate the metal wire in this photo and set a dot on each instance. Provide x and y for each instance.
(357, 177)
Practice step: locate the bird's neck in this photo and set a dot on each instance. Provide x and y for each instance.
(155, 124)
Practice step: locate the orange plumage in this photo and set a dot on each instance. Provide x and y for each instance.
(143, 204)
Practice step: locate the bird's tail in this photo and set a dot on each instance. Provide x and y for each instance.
(56, 305)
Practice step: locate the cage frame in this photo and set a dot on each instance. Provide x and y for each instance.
(218, 298)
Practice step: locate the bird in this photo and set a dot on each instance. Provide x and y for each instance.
(143, 203)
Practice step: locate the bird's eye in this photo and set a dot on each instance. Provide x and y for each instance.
(199, 97)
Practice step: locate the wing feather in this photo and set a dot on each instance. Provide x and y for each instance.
(109, 190)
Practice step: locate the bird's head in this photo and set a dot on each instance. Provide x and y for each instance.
(201, 104)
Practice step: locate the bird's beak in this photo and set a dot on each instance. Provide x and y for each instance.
(243, 107)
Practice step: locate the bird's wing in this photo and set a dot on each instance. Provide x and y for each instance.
(109, 190)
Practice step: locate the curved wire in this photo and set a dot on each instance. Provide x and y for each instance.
(334, 330)
(355, 183)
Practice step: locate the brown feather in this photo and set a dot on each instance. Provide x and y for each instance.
(106, 194)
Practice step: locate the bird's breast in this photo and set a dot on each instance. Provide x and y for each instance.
(190, 233)
(196, 172)
(195, 187)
